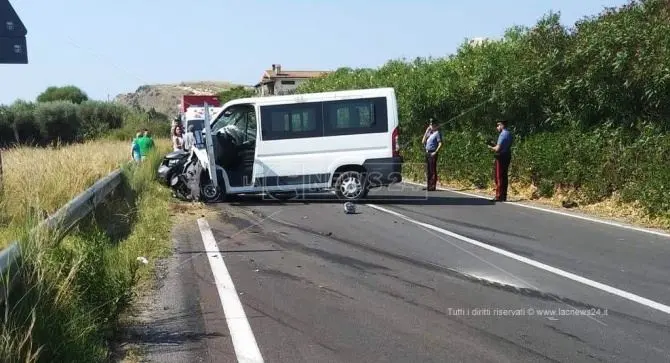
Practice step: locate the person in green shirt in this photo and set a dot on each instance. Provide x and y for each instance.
(135, 148)
(146, 144)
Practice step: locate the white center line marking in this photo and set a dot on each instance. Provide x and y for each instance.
(246, 348)
(612, 290)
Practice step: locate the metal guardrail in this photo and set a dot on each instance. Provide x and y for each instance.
(63, 220)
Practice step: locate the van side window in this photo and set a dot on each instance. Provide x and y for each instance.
(291, 121)
(355, 117)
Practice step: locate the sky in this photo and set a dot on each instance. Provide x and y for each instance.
(107, 47)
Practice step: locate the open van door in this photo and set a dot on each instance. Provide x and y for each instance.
(209, 144)
(210, 189)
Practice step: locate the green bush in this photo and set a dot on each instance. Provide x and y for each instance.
(581, 102)
(65, 93)
(21, 114)
(6, 130)
(58, 121)
(134, 121)
(235, 93)
(98, 117)
(60, 115)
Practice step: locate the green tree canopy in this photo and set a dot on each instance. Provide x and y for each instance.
(234, 93)
(65, 93)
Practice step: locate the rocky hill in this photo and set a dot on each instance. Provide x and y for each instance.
(165, 98)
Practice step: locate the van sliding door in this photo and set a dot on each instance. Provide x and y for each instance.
(288, 157)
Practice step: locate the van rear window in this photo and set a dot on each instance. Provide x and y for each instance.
(350, 117)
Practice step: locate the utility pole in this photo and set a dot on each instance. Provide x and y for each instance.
(13, 47)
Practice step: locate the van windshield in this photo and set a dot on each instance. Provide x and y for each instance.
(236, 116)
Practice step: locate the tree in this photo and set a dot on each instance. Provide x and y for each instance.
(65, 93)
(234, 93)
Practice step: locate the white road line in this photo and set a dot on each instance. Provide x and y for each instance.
(246, 348)
(595, 220)
(612, 290)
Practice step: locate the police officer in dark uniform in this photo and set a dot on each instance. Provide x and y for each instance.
(503, 157)
(432, 141)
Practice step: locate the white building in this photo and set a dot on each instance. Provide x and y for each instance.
(276, 81)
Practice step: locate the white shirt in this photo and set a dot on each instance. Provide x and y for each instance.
(177, 143)
(189, 141)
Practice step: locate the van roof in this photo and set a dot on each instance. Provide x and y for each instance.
(320, 96)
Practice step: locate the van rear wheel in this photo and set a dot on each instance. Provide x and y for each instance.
(351, 185)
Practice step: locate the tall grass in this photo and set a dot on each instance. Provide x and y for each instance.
(71, 291)
(41, 180)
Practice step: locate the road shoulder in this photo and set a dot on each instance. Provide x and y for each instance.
(173, 321)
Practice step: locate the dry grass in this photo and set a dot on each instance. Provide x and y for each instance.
(41, 180)
(74, 289)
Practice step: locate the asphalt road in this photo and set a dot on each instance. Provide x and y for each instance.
(476, 282)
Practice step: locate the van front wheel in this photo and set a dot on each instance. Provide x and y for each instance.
(350, 185)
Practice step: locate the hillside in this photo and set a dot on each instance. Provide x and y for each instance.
(164, 98)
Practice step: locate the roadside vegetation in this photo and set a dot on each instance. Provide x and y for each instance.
(62, 115)
(73, 287)
(38, 181)
(235, 93)
(588, 105)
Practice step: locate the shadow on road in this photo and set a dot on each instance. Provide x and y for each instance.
(372, 199)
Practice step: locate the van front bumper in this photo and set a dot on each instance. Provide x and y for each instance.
(383, 171)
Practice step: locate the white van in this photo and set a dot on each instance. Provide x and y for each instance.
(346, 141)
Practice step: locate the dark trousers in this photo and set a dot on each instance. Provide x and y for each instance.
(501, 174)
(431, 171)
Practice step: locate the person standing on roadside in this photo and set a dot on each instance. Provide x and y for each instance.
(178, 139)
(146, 144)
(189, 138)
(176, 122)
(432, 141)
(503, 157)
(135, 147)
